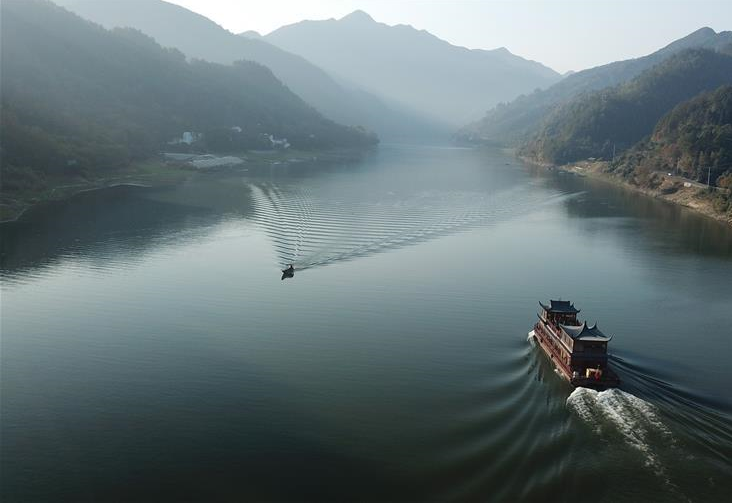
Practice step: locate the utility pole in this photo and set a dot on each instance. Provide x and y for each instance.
(613, 152)
(709, 174)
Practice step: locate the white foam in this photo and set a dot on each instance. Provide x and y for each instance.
(635, 419)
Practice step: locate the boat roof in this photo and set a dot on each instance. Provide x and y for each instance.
(560, 306)
(585, 332)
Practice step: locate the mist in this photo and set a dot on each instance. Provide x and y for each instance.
(364, 250)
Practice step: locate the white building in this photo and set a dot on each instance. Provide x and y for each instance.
(279, 143)
(187, 137)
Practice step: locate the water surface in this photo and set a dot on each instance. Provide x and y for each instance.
(150, 350)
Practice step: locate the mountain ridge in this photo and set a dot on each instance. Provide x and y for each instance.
(199, 37)
(509, 123)
(595, 124)
(413, 66)
(78, 99)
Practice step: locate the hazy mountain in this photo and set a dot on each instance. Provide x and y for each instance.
(250, 34)
(413, 66)
(78, 98)
(510, 123)
(199, 37)
(594, 124)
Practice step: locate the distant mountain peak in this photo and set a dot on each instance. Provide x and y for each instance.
(703, 37)
(358, 16)
(704, 30)
(250, 34)
(412, 67)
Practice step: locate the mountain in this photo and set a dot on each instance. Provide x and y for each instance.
(694, 140)
(509, 123)
(598, 123)
(199, 37)
(250, 34)
(413, 66)
(77, 98)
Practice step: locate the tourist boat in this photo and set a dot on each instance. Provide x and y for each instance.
(577, 350)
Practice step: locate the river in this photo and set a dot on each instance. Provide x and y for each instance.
(151, 351)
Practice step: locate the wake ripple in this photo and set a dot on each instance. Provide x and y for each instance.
(636, 420)
(315, 229)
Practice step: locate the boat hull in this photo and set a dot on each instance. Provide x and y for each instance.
(609, 378)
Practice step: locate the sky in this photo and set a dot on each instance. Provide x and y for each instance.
(564, 35)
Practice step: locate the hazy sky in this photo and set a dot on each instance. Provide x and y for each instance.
(565, 35)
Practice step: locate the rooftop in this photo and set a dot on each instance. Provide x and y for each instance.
(560, 306)
(585, 332)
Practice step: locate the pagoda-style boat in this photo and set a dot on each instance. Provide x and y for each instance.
(577, 350)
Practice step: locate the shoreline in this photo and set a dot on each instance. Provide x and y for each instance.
(143, 175)
(156, 172)
(692, 197)
(30, 206)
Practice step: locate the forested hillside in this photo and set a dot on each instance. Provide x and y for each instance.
(511, 123)
(79, 98)
(611, 120)
(200, 38)
(694, 141)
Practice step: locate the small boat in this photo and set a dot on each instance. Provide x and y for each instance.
(577, 350)
(289, 272)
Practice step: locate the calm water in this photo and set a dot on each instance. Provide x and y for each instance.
(150, 350)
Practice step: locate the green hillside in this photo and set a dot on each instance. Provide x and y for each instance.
(77, 98)
(693, 141)
(200, 38)
(598, 123)
(510, 123)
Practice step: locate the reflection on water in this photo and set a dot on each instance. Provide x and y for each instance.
(663, 224)
(113, 226)
(149, 351)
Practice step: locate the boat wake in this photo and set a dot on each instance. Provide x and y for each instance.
(316, 227)
(614, 411)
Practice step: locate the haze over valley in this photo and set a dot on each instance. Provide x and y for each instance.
(361, 250)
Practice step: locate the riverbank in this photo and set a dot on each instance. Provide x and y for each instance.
(673, 189)
(158, 171)
(149, 173)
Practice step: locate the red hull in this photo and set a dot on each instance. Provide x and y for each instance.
(609, 379)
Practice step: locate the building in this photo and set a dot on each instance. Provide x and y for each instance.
(188, 137)
(279, 143)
